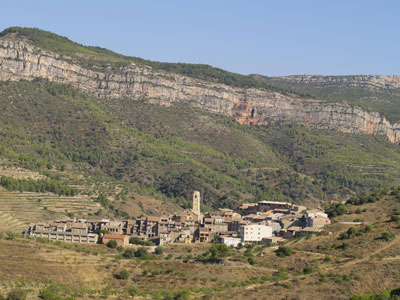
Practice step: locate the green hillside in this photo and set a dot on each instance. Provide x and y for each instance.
(128, 149)
(167, 152)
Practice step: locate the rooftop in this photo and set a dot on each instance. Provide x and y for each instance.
(115, 236)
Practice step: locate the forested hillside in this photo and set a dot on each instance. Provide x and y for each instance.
(167, 152)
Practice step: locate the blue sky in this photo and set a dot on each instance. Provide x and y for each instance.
(281, 37)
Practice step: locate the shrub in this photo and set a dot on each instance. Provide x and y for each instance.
(395, 218)
(387, 236)
(11, 235)
(323, 279)
(159, 250)
(124, 275)
(182, 295)
(251, 260)
(308, 269)
(327, 259)
(141, 252)
(129, 253)
(368, 228)
(47, 294)
(345, 246)
(112, 244)
(131, 291)
(17, 295)
(284, 251)
(349, 234)
(137, 241)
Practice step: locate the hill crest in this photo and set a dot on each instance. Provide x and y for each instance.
(103, 76)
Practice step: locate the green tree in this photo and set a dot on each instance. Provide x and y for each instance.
(219, 251)
(141, 252)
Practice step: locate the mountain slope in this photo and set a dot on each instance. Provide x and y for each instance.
(376, 93)
(105, 76)
(167, 152)
(101, 123)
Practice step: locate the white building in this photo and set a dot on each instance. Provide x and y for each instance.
(254, 232)
(231, 241)
(317, 219)
(314, 214)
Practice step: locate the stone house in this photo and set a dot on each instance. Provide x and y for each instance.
(114, 227)
(204, 235)
(80, 228)
(122, 240)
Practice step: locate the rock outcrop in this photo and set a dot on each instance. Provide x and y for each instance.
(20, 60)
(369, 82)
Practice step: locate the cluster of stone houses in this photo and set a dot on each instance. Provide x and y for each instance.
(254, 222)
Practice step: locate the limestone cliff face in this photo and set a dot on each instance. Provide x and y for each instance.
(21, 61)
(370, 82)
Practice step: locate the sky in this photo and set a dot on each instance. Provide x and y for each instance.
(273, 38)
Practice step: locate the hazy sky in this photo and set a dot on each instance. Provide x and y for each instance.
(279, 37)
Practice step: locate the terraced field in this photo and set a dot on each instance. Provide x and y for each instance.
(19, 209)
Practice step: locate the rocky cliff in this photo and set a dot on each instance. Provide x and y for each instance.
(19, 60)
(370, 82)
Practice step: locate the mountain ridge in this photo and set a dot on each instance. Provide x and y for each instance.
(20, 60)
(379, 93)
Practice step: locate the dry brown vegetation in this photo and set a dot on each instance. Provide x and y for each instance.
(317, 269)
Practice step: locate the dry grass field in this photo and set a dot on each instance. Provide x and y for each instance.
(319, 268)
(324, 266)
(19, 209)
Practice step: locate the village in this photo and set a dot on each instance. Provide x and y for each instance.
(265, 221)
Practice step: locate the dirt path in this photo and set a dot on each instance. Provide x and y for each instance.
(368, 257)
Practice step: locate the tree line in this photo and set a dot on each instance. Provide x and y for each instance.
(40, 185)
